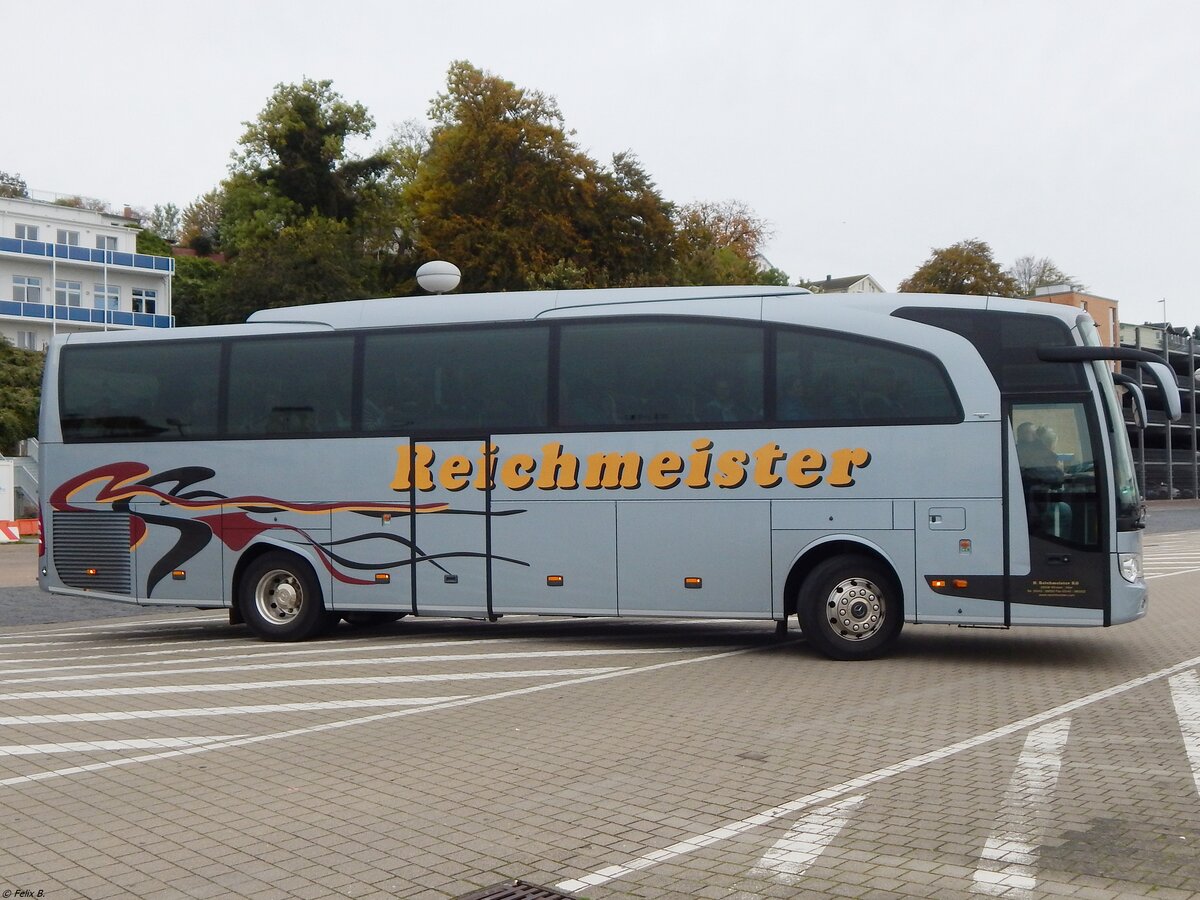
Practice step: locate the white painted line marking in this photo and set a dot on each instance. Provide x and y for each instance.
(258, 709)
(1185, 693)
(854, 785)
(793, 853)
(128, 669)
(94, 631)
(299, 682)
(377, 717)
(1172, 574)
(117, 746)
(1006, 864)
(347, 645)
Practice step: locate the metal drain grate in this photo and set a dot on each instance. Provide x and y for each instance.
(515, 890)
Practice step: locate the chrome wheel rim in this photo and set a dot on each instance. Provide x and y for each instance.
(279, 596)
(855, 609)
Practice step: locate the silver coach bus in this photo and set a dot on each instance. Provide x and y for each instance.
(754, 452)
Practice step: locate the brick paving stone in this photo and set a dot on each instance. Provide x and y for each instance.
(605, 773)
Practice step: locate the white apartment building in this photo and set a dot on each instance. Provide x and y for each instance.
(66, 269)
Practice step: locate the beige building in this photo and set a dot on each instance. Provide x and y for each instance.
(1103, 310)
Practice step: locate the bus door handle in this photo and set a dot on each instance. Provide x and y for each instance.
(1058, 559)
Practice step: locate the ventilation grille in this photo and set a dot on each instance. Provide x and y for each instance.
(91, 550)
(515, 890)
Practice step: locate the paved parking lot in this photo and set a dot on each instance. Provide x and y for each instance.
(171, 755)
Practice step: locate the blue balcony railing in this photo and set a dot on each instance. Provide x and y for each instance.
(165, 264)
(81, 314)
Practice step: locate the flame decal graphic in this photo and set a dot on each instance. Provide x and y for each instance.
(232, 519)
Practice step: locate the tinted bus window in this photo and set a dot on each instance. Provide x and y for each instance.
(483, 379)
(292, 385)
(122, 391)
(824, 378)
(1008, 343)
(653, 372)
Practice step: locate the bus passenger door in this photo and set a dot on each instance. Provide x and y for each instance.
(449, 526)
(1061, 514)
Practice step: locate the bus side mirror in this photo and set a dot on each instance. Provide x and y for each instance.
(1137, 398)
(1165, 378)
(1162, 374)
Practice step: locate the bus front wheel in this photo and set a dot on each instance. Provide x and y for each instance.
(280, 599)
(849, 607)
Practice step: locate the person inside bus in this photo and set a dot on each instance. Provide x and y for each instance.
(1035, 452)
(584, 402)
(1042, 476)
(723, 406)
(796, 400)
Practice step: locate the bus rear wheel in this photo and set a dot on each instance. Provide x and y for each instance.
(849, 607)
(280, 599)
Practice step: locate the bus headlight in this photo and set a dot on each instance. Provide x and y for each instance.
(1130, 565)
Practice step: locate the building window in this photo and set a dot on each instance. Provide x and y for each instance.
(27, 289)
(68, 293)
(106, 242)
(70, 238)
(107, 296)
(27, 232)
(26, 340)
(145, 300)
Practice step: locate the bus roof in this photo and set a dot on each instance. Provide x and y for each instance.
(783, 304)
(517, 305)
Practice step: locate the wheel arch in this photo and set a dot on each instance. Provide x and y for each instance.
(829, 547)
(269, 545)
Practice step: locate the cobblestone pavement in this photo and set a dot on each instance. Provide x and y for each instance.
(21, 603)
(169, 755)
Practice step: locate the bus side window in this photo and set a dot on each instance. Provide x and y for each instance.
(836, 378)
(290, 385)
(663, 372)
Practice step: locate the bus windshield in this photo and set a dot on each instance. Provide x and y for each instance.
(1125, 488)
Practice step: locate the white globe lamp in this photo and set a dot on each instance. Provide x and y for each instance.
(438, 276)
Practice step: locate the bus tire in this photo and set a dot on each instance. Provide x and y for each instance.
(850, 608)
(280, 599)
(372, 618)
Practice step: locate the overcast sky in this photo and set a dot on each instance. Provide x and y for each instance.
(866, 133)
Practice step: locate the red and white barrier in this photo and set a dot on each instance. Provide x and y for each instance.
(9, 533)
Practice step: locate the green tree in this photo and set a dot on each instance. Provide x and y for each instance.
(151, 243)
(720, 243)
(1031, 273)
(197, 291)
(20, 393)
(296, 150)
(13, 185)
(314, 261)
(95, 204)
(963, 268)
(630, 231)
(165, 221)
(300, 218)
(200, 227)
(500, 188)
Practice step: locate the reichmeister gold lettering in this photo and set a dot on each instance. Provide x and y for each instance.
(767, 466)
